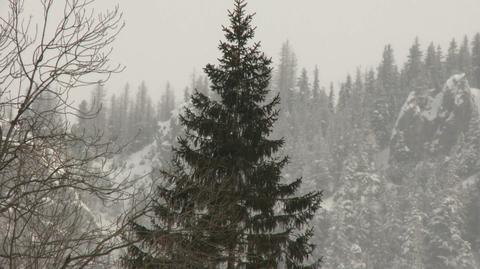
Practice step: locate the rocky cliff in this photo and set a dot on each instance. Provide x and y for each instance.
(431, 121)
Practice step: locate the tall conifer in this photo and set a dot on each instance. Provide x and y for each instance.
(227, 205)
(476, 61)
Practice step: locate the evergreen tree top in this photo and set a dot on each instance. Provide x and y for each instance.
(240, 63)
(240, 30)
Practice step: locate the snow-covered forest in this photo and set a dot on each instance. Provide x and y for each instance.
(256, 163)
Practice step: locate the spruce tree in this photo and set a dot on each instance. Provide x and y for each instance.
(358, 114)
(83, 116)
(331, 99)
(320, 110)
(388, 76)
(476, 61)
(113, 119)
(452, 62)
(370, 92)
(303, 87)
(226, 204)
(465, 59)
(286, 75)
(125, 111)
(434, 68)
(82, 128)
(415, 77)
(317, 116)
(441, 65)
(302, 100)
(447, 247)
(345, 93)
(44, 117)
(142, 118)
(316, 84)
(166, 105)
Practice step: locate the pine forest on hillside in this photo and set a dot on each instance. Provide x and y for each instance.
(258, 163)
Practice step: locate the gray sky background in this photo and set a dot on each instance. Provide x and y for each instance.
(165, 40)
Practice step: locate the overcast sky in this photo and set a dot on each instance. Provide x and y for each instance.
(165, 40)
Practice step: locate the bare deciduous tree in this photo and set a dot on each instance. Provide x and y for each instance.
(48, 172)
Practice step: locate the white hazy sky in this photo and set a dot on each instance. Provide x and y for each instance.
(165, 40)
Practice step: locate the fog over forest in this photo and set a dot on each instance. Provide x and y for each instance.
(240, 134)
(166, 41)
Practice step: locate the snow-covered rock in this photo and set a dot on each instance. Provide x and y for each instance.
(431, 121)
